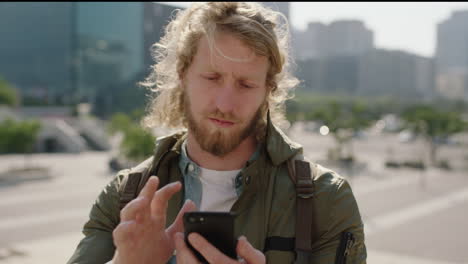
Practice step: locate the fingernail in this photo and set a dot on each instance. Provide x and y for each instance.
(154, 177)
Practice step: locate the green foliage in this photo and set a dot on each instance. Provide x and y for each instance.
(8, 95)
(137, 143)
(305, 104)
(344, 115)
(429, 121)
(138, 113)
(18, 136)
(339, 116)
(119, 122)
(433, 123)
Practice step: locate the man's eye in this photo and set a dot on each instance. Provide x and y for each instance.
(212, 78)
(245, 85)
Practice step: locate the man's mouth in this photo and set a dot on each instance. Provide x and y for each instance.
(221, 123)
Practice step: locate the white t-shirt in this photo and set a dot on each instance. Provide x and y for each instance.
(218, 190)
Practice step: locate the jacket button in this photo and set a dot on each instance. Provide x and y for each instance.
(247, 180)
(190, 167)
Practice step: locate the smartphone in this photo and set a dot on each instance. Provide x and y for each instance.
(216, 227)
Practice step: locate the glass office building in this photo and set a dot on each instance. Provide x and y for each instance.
(78, 51)
(35, 47)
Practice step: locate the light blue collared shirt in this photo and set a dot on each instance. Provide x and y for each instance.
(191, 172)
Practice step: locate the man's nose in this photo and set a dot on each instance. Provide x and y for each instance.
(225, 97)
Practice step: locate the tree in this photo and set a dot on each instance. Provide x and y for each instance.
(8, 94)
(18, 136)
(343, 122)
(137, 143)
(119, 122)
(433, 124)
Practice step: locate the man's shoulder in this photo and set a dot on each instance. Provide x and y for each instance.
(328, 184)
(170, 138)
(325, 177)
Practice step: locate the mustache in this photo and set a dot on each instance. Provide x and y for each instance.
(217, 114)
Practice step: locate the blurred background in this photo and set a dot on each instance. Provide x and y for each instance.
(383, 101)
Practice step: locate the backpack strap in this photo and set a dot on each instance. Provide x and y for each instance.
(300, 173)
(137, 177)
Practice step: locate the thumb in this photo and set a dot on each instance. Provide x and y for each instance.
(246, 251)
(178, 225)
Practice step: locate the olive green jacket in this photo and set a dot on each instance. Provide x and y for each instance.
(265, 208)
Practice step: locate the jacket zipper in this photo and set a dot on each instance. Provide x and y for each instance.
(346, 243)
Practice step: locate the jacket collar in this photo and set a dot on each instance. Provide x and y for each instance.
(278, 145)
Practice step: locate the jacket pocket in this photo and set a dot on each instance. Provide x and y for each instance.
(346, 243)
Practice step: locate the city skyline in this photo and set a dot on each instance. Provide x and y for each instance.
(413, 30)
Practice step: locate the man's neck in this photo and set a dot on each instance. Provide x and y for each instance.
(234, 160)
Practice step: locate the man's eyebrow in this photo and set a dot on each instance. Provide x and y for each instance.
(245, 77)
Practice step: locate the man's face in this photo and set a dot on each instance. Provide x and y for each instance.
(224, 96)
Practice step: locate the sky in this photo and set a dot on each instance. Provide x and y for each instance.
(408, 26)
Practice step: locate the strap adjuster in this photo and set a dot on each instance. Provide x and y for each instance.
(304, 184)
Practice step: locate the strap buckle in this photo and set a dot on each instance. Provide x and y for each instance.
(304, 184)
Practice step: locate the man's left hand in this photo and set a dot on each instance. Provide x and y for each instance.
(244, 249)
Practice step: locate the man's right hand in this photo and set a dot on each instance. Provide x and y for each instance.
(141, 236)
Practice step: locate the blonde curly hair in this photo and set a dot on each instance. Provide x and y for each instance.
(259, 27)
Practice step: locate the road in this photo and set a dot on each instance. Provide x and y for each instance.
(410, 216)
(418, 216)
(42, 210)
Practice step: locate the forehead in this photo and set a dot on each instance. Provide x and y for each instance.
(228, 54)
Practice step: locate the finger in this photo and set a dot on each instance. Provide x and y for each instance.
(129, 212)
(210, 252)
(150, 187)
(246, 251)
(183, 253)
(178, 225)
(123, 232)
(148, 193)
(161, 197)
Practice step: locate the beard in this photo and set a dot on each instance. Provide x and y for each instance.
(220, 142)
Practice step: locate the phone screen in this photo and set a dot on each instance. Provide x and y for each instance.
(216, 227)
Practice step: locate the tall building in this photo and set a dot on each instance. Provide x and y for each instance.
(377, 72)
(90, 51)
(339, 38)
(396, 73)
(348, 38)
(156, 18)
(452, 56)
(36, 47)
(109, 44)
(312, 43)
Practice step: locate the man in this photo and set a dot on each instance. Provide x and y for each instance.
(222, 73)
